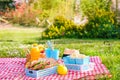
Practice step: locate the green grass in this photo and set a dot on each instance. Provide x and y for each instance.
(14, 45)
(20, 35)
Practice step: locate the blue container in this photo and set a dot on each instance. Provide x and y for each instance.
(72, 61)
(73, 67)
(52, 53)
(81, 61)
(82, 68)
(41, 73)
(66, 59)
(47, 52)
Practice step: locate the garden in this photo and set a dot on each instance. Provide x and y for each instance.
(96, 33)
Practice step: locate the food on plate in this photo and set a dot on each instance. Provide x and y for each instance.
(28, 65)
(33, 63)
(28, 58)
(41, 63)
(73, 53)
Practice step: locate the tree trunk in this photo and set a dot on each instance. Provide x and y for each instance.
(116, 9)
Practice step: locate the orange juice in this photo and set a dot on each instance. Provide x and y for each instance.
(34, 53)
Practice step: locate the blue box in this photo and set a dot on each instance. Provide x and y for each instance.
(52, 53)
(66, 59)
(80, 61)
(41, 73)
(82, 68)
(72, 66)
(72, 61)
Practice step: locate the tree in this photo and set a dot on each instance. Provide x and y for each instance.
(4, 4)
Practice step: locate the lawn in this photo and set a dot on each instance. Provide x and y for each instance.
(14, 42)
(20, 34)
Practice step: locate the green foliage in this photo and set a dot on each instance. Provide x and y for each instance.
(55, 7)
(99, 27)
(89, 7)
(102, 25)
(62, 27)
(47, 4)
(5, 4)
(42, 10)
(44, 15)
(101, 19)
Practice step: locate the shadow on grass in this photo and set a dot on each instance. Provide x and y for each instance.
(75, 41)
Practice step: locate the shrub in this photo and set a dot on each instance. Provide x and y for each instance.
(102, 25)
(101, 19)
(62, 28)
(96, 28)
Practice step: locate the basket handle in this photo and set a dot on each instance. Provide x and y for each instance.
(31, 72)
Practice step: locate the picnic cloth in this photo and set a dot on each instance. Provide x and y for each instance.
(14, 69)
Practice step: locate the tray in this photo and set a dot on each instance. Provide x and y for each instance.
(82, 68)
(41, 73)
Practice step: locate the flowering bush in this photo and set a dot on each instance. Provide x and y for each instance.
(99, 27)
(102, 25)
(62, 27)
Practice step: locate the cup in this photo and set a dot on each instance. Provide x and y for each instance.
(55, 54)
(52, 53)
(48, 52)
